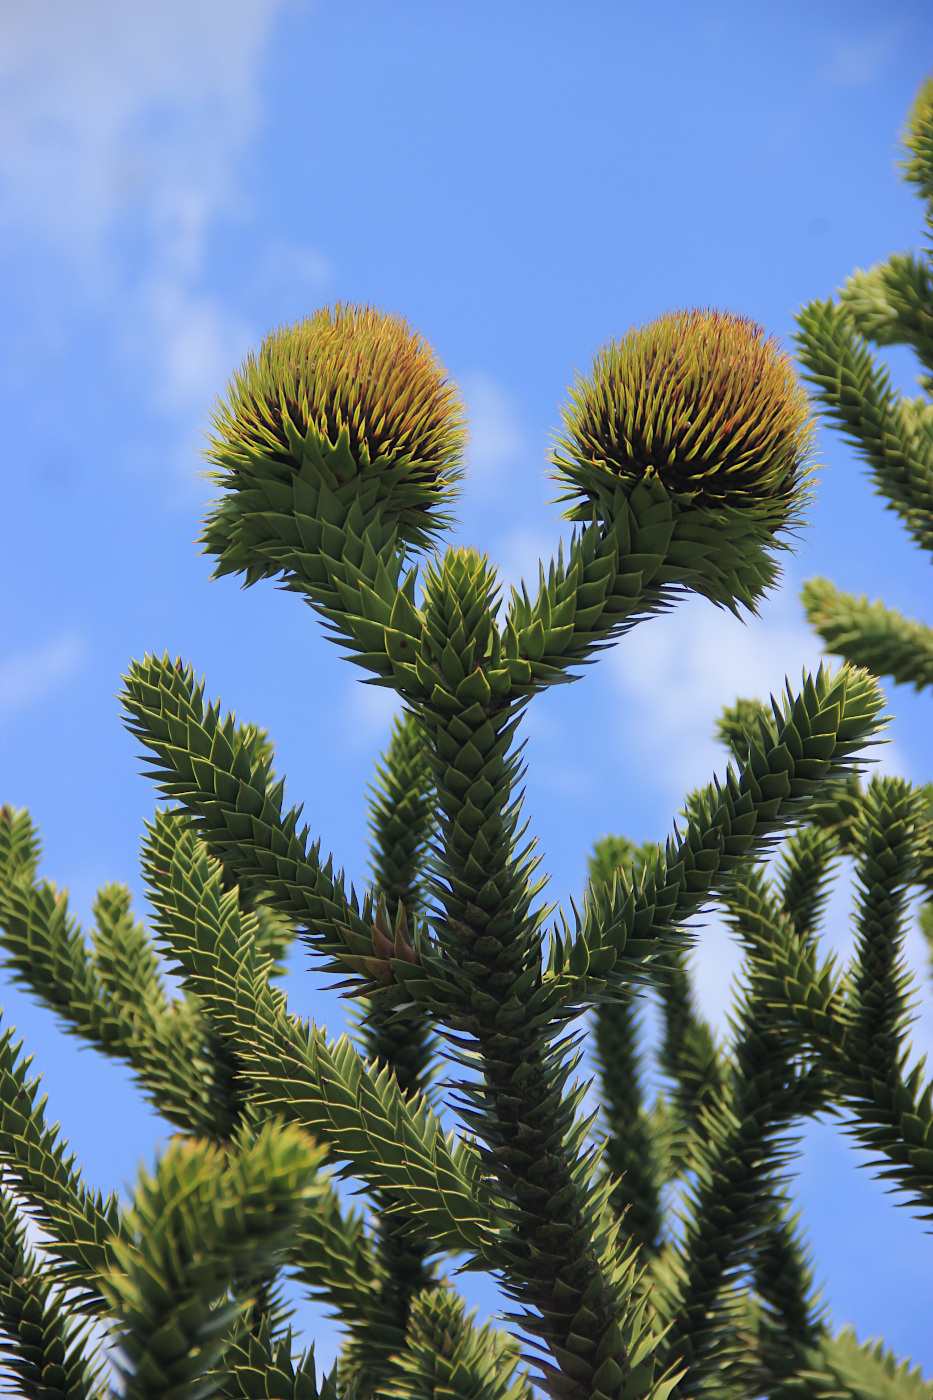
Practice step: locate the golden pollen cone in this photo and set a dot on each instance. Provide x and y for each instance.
(352, 368)
(700, 399)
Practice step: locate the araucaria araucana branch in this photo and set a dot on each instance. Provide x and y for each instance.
(684, 461)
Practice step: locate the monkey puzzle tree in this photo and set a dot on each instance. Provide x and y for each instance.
(684, 462)
(891, 304)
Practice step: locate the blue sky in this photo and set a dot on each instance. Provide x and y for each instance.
(522, 181)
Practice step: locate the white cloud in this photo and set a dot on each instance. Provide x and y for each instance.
(856, 63)
(201, 343)
(677, 671)
(111, 105)
(295, 276)
(519, 554)
(27, 678)
(122, 127)
(370, 710)
(715, 962)
(495, 437)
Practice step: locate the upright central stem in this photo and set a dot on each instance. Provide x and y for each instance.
(520, 1112)
(557, 1265)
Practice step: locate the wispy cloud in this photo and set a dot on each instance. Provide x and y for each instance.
(496, 439)
(857, 63)
(291, 279)
(122, 130)
(113, 107)
(716, 963)
(678, 671)
(369, 711)
(200, 342)
(30, 676)
(520, 554)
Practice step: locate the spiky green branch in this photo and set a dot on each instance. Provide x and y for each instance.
(684, 461)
